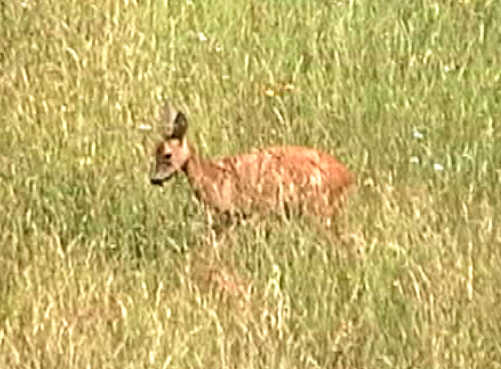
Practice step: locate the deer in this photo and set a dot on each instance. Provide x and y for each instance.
(275, 179)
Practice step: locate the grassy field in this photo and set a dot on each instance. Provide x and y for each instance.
(101, 270)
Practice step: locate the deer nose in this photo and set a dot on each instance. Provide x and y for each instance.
(156, 181)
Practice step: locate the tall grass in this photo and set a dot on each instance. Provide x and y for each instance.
(100, 270)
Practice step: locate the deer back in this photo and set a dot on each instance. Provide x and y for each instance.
(274, 178)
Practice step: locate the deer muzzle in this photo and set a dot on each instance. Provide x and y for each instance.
(157, 181)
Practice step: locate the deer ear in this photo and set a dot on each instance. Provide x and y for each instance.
(180, 126)
(175, 123)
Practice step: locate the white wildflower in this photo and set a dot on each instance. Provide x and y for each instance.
(417, 135)
(438, 167)
(202, 37)
(145, 127)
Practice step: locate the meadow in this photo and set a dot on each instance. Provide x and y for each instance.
(99, 269)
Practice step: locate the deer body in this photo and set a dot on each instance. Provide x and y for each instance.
(272, 179)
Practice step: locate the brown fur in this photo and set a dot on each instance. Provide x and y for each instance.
(276, 178)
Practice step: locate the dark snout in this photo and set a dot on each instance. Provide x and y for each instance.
(157, 181)
(158, 178)
(159, 175)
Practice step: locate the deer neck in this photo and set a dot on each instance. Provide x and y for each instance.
(196, 169)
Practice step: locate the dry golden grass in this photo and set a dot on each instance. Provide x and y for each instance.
(100, 270)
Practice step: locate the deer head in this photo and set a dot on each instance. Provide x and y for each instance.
(173, 152)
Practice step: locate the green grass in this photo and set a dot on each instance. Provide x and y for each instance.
(100, 270)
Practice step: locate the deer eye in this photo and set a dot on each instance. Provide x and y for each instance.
(167, 155)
